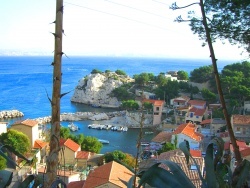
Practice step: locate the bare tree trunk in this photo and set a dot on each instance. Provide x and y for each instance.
(217, 78)
(52, 160)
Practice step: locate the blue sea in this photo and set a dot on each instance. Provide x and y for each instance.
(25, 83)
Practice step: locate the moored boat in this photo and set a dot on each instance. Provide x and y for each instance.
(73, 127)
(103, 141)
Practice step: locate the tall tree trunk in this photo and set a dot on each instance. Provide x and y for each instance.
(217, 78)
(52, 159)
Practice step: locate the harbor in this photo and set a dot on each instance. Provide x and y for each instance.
(124, 141)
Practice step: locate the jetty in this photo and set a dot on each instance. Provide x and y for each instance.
(108, 127)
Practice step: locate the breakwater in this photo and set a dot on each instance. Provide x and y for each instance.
(7, 114)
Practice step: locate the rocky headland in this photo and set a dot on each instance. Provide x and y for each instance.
(95, 89)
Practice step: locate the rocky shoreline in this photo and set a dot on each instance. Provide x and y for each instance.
(123, 118)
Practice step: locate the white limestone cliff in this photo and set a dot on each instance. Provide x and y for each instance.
(95, 89)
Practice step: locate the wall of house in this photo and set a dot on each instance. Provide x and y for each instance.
(69, 156)
(82, 163)
(193, 118)
(181, 137)
(3, 127)
(35, 134)
(25, 130)
(157, 115)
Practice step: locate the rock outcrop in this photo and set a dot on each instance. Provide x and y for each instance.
(95, 89)
(6, 114)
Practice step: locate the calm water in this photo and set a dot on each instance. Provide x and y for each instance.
(26, 81)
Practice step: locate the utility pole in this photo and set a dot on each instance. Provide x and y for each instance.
(52, 159)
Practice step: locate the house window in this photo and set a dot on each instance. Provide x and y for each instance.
(191, 115)
(157, 108)
(197, 117)
(156, 113)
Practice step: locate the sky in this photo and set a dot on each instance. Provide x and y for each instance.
(105, 28)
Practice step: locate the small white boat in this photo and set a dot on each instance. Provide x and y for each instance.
(103, 141)
(125, 129)
(73, 127)
(149, 132)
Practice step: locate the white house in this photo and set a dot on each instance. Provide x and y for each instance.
(3, 127)
(187, 132)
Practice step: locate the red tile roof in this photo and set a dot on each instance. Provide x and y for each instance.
(76, 184)
(69, 144)
(196, 102)
(162, 137)
(177, 156)
(39, 144)
(83, 155)
(206, 121)
(189, 130)
(241, 119)
(154, 102)
(197, 111)
(195, 153)
(27, 122)
(112, 172)
(245, 152)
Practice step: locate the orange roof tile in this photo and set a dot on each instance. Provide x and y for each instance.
(189, 130)
(241, 119)
(69, 144)
(112, 172)
(40, 144)
(178, 157)
(245, 152)
(162, 137)
(195, 153)
(76, 184)
(196, 102)
(197, 111)
(83, 155)
(206, 121)
(154, 102)
(28, 122)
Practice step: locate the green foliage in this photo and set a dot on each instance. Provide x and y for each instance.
(218, 113)
(171, 90)
(161, 80)
(236, 83)
(95, 71)
(202, 74)
(117, 155)
(166, 147)
(2, 163)
(64, 132)
(122, 93)
(209, 96)
(91, 144)
(107, 71)
(148, 106)
(130, 105)
(17, 140)
(87, 143)
(143, 78)
(79, 138)
(120, 72)
(182, 75)
(227, 20)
